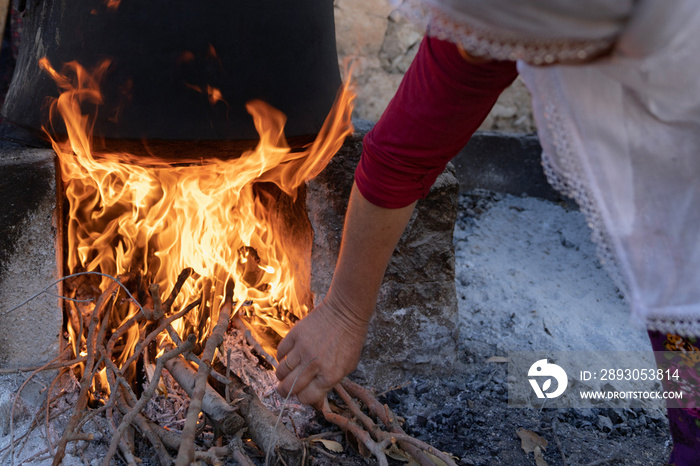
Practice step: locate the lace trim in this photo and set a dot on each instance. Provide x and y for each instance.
(499, 44)
(684, 328)
(564, 180)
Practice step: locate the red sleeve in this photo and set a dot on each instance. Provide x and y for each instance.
(441, 101)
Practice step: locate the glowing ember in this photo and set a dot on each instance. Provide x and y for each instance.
(154, 218)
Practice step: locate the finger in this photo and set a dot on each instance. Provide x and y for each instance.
(313, 393)
(284, 368)
(286, 345)
(298, 379)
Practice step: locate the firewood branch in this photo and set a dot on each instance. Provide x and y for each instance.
(88, 372)
(361, 434)
(387, 417)
(164, 324)
(186, 453)
(414, 447)
(263, 428)
(102, 345)
(181, 279)
(129, 417)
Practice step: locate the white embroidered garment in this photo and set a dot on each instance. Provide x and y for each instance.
(539, 31)
(620, 134)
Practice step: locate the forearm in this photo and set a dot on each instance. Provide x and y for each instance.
(370, 236)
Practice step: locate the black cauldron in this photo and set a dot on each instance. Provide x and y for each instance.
(165, 54)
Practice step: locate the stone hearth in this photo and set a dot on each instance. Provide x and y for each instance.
(413, 329)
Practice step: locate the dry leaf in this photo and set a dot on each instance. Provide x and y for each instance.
(539, 459)
(530, 440)
(331, 445)
(435, 459)
(357, 445)
(498, 359)
(396, 453)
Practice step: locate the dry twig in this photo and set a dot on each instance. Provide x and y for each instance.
(146, 396)
(559, 445)
(181, 279)
(162, 326)
(414, 447)
(45, 290)
(387, 417)
(241, 325)
(88, 373)
(45, 367)
(14, 403)
(186, 453)
(355, 429)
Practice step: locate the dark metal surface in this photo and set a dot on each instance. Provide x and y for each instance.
(279, 51)
(503, 162)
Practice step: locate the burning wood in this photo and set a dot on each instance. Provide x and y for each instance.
(222, 217)
(148, 221)
(121, 393)
(124, 403)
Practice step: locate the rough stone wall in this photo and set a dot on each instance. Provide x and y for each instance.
(384, 44)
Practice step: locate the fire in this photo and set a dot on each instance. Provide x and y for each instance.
(222, 218)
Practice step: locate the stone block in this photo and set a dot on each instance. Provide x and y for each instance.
(415, 321)
(29, 334)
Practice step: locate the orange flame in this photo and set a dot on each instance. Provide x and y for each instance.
(215, 95)
(112, 4)
(140, 213)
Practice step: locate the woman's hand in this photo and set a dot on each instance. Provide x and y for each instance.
(318, 352)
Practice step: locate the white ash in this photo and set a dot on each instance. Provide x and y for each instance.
(168, 407)
(247, 366)
(528, 278)
(29, 443)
